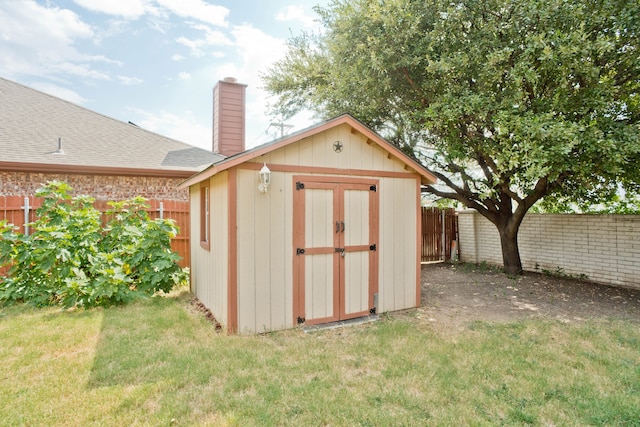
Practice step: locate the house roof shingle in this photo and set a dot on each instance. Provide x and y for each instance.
(31, 122)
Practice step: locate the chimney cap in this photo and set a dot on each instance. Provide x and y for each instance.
(230, 80)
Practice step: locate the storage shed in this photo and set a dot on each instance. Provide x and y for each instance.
(318, 226)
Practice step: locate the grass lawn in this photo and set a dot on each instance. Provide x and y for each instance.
(158, 363)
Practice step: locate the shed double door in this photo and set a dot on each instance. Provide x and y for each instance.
(335, 245)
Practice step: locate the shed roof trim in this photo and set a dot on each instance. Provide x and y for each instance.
(426, 176)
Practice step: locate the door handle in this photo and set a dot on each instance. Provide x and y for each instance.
(337, 226)
(342, 222)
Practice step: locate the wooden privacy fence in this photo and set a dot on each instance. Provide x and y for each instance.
(439, 231)
(22, 210)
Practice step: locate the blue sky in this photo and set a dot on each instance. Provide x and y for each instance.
(152, 62)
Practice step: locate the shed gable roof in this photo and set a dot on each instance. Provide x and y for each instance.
(426, 176)
(31, 123)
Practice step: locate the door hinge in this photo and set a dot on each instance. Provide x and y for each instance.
(372, 310)
(300, 320)
(373, 188)
(299, 251)
(299, 185)
(373, 247)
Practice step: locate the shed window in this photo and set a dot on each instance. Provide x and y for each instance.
(205, 216)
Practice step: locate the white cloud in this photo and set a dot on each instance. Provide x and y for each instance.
(184, 75)
(39, 40)
(102, 58)
(193, 45)
(182, 127)
(295, 13)
(130, 81)
(198, 9)
(26, 23)
(79, 70)
(211, 38)
(176, 57)
(256, 50)
(131, 9)
(59, 92)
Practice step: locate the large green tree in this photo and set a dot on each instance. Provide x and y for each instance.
(505, 101)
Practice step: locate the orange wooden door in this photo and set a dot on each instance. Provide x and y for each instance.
(335, 243)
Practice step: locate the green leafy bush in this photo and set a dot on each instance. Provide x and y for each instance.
(71, 259)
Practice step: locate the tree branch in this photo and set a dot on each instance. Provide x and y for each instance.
(488, 173)
(466, 201)
(413, 85)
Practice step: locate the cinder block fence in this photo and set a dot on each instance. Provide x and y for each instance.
(605, 248)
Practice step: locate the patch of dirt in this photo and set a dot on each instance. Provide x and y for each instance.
(199, 307)
(453, 295)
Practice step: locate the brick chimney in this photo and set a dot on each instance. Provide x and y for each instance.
(228, 116)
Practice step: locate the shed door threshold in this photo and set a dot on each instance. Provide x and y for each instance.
(340, 323)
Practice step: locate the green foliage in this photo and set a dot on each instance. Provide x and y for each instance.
(71, 260)
(615, 204)
(559, 272)
(505, 101)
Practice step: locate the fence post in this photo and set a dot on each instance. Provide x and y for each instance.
(161, 210)
(26, 208)
(443, 246)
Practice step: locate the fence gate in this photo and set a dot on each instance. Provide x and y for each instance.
(439, 230)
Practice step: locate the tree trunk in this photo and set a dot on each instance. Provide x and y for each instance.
(510, 251)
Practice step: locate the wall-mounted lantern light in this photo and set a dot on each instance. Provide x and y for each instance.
(265, 179)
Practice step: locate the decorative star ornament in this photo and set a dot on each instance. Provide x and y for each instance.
(337, 147)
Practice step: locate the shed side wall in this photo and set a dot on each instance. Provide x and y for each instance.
(209, 273)
(397, 249)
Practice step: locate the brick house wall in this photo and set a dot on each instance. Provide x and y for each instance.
(101, 187)
(603, 247)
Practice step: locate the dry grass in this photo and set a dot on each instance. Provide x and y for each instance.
(159, 363)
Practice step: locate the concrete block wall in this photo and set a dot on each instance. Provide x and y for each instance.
(101, 187)
(605, 248)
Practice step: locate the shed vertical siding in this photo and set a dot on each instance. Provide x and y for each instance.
(397, 249)
(265, 283)
(209, 281)
(317, 151)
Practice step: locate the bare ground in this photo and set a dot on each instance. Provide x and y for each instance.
(453, 295)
